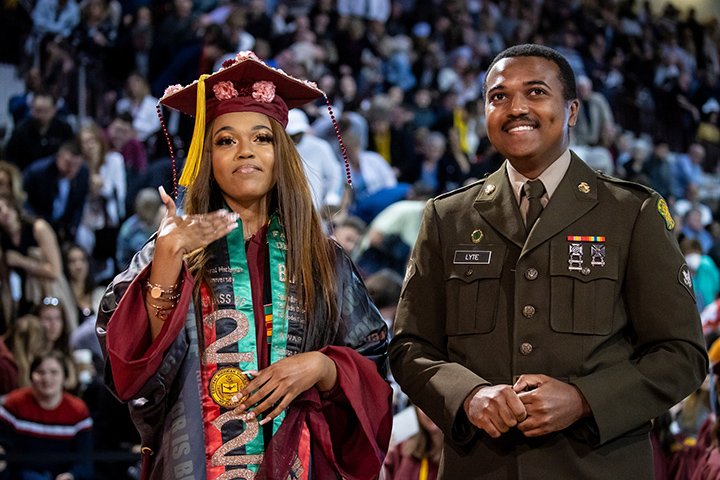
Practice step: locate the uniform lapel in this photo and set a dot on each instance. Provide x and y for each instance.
(575, 196)
(496, 203)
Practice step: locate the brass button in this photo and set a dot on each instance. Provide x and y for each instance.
(468, 272)
(526, 348)
(531, 274)
(585, 271)
(528, 311)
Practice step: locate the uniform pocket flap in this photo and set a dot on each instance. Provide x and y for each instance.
(470, 263)
(584, 261)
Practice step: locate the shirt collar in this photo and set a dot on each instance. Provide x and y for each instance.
(550, 177)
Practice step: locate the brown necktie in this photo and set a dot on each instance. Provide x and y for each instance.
(534, 189)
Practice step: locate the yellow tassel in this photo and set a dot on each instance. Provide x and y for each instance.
(194, 156)
(424, 469)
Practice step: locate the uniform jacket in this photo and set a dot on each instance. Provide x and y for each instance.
(482, 305)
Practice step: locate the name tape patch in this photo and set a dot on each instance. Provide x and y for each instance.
(472, 257)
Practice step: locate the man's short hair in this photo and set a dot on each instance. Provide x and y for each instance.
(384, 287)
(567, 77)
(124, 117)
(44, 94)
(71, 146)
(353, 222)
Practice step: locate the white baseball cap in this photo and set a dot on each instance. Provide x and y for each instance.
(297, 122)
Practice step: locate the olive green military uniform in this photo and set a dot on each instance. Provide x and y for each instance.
(597, 296)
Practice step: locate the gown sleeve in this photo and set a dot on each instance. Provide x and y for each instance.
(133, 357)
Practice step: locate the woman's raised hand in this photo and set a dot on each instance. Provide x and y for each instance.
(180, 235)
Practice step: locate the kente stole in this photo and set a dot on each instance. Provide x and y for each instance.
(235, 443)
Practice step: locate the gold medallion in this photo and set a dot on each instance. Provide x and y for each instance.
(226, 383)
(584, 187)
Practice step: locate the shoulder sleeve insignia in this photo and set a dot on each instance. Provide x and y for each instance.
(662, 208)
(685, 280)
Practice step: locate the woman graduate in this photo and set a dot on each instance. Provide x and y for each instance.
(241, 336)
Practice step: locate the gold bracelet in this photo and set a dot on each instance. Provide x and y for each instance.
(161, 312)
(159, 292)
(170, 298)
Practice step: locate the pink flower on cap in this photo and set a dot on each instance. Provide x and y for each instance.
(263, 91)
(224, 91)
(172, 89)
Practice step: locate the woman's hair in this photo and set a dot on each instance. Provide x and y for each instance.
(144, 88)
(310, 256)
(94, 130)
(55, 354)
(63, 342)
(26, 339)
(22, 214)
(16, 188)
(85, 9)
(89, 282)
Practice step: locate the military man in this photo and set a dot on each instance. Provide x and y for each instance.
(547, 314)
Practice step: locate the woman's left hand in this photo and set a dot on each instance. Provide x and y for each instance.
(280, 383)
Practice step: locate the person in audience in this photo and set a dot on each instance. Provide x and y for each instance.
(57, 188)
(689, 168)
(11, 183)
(51, 314)
(693, 228)
(78, 270)
(595, 119)
(48, 429)
(418, 456)
(105, 203)
(348, 233)
(319, 161)
(141, 105)
(123, 138)
(374, 185)
(384, 288)
(92, 42)
(32, 255)
(26, 339)
(40, 135)
(692, 200)
(8, 369)
(705, 274)
(140, 226)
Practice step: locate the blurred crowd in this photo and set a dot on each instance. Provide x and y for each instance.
(82, 159)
